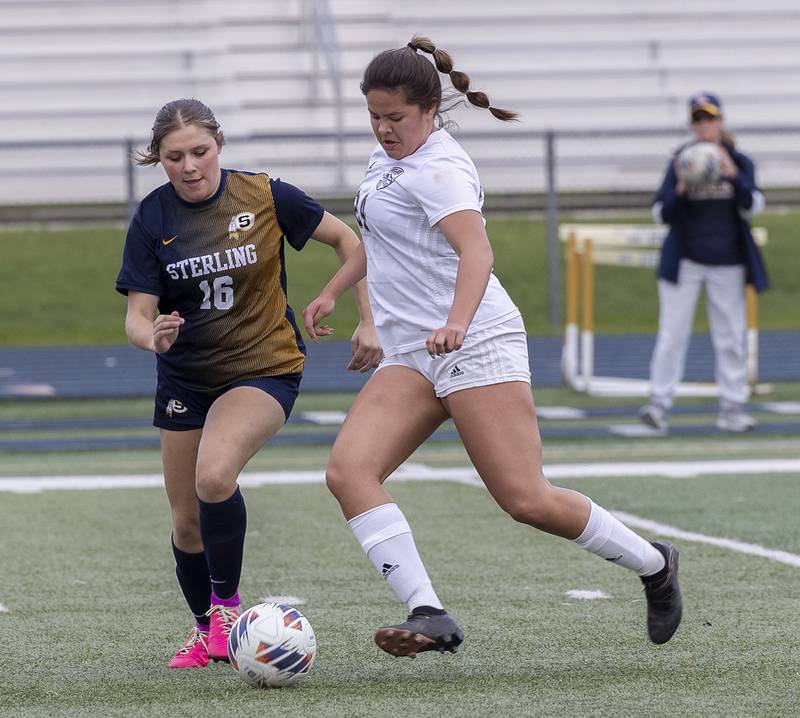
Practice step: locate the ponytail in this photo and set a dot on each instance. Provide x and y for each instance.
(460, 80)
(405, 69)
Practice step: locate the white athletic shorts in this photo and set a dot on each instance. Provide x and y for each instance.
(491, 356)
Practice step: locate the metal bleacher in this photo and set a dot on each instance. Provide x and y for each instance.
(96, 71)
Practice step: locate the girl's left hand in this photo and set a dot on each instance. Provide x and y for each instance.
(367, 352)
(446, 339)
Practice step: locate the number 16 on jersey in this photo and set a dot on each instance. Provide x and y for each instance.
(220, 293)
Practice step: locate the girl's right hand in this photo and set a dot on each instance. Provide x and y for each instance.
(165, 331)
(728, 168)
(314, 313)
(446, 339)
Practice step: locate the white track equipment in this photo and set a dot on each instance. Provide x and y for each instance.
(631, 245)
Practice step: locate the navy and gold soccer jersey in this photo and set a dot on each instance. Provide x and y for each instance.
(220, 264)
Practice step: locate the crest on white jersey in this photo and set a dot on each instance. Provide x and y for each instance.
(389, 177)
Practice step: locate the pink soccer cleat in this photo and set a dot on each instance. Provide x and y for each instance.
(194, 653)
(222, 620)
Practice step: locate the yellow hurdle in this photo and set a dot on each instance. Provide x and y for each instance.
(621, 246)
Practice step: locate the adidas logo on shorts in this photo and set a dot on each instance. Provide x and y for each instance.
(456, 372)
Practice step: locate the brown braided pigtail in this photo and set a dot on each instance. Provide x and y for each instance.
(460, 80)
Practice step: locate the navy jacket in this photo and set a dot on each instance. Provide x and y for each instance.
(673, 209)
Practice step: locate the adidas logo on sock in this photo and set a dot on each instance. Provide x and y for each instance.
(388, 569)
(456, 372)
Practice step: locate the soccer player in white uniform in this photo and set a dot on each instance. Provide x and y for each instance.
(454, 347)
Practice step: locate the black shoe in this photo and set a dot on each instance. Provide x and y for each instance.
(420, 632)
(664, 602)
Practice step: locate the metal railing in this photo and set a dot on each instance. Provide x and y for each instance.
(542, 168)
(325, 43)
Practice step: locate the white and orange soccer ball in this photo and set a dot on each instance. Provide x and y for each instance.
(699, 163)
(272, 645)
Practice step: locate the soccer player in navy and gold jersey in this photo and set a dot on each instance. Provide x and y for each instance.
(203, 269)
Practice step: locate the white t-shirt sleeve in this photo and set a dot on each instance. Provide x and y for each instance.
(445, 185)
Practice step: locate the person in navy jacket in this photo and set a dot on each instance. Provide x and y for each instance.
(709, 244)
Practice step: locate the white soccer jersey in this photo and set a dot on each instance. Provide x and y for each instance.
(411, 268)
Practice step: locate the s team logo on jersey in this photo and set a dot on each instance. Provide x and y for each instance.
(175, 407)
(389, 177)
(242, 222)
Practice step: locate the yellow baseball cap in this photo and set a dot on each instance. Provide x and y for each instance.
(705, 102)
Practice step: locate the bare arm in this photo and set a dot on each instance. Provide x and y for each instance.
(145, 328)
(336, 234)
(465, 233)
(352, 271)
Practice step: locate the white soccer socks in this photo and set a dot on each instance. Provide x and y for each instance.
(385, 536)
(610, 539)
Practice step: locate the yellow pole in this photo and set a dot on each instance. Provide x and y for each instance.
(588, 287)
(569, 353)
(587, 318)
(752, 307)
(573, 280)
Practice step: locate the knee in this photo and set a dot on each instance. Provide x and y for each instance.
(336, 478)
(186, 531)
(213, 483)
(348, 480)
(533, 508)
(530, 513)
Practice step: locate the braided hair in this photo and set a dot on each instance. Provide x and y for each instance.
(404, 68)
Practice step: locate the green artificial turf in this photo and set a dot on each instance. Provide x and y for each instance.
(57, 287)
(94, 611)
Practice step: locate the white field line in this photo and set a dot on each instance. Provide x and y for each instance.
(586, 594)
(468, 476)
(420, 472)
(290, 600)
(672, 469)
(751, 549)
(3, 609)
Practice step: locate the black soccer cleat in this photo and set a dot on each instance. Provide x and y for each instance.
(664, 601)
(422, 631)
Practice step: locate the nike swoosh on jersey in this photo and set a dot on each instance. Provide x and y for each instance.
(165, 242)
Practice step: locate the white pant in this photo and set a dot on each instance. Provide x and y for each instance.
(727, 318)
